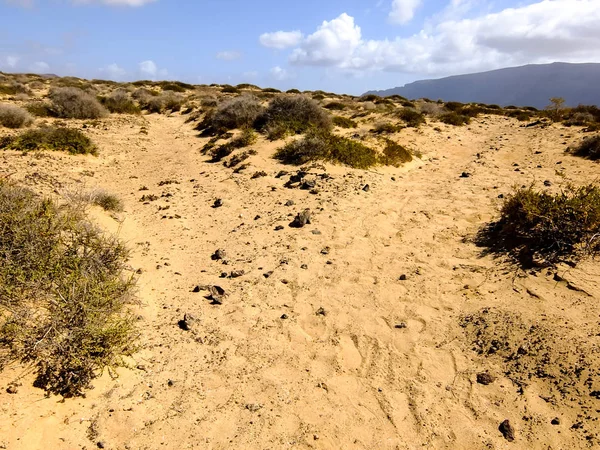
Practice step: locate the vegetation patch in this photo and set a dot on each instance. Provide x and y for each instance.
(411, 117)
(324, 146)
(343, 122)
(589, 148)
(395, 154)
(73, 103)
(239, 112)
(453, 118)
(293, 114)
(107, 201)
(14, 117)
(538, 228)
(119, 102)
(248, 137)
(51, 138)
(64, 293)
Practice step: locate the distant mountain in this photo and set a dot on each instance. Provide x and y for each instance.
(530, 85)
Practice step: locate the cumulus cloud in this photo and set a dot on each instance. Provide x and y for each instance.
(148, 68)
(9, 61)
(114, 71)
(550, 30)
(403, 10)
(228, 55)
(39, 67)
(280, 39)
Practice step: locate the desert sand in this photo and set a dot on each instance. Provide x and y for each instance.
(370, 328)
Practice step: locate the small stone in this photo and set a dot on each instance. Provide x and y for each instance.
(301, 219)
(316, 232)
(465, 175)
(507, 430)
(170, 383)
(290, 203)
(253, 407)
(555, 421)
(501, 196)
(547, 183)
(100, 444)
(402, 277)
(321, 312)
(256, 217)
(218, 203)
(304, 266)
(237, 273)
(197, 289)
(224, 275)
(284, 316)
(366, 188)
(400, 325)
(325, 251)
(186, 323)
(279, 227)
(217, 294)
(267, 274)
(12, 389)
(218, 254)
(485, 378)
(307, 185)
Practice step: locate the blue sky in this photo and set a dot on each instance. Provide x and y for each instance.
(343, 46)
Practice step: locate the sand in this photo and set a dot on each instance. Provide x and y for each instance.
(320, 344)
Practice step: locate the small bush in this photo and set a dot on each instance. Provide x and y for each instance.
(171, 101)
(411, 117)
(395, 154)
(239, 112)
(63, 293)
(589, 148)
(386, 128)
(370, 98)
(120, 103)
(14, 88)
(108, 202)
(335, 106)
(227, 89)
(272, 90)
(248, 137)
(14, 117)
(539, 228)
(292, 91)
(73, 103)
(292, 114)
(39, 109)
(343, 122)
(247, 86)
(322, 145)
(455, 119)
(51, 138)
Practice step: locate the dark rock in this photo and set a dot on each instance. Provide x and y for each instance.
(547, 183)
(321, 312)
(485, 378)
(307, 185)
(366, 188)
(186, 323)
(298, 177)
(259, 174)
(325, 251)
(501, 196)
(224, 275)
(267, 274)
(218, 203)
(100, 444)
(216, 294)
(281, 173)
(284, 316)
(218, 254)
(465, 175)
(507, 430)
(304, 266)
(402, 277)
(12, 389)
(400, 325)
(279, 227)
(290, 203)
(236, 273)
(256, 217)
(555, 421)
(301, 219)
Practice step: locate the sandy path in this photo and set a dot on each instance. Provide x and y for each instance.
(386, 366)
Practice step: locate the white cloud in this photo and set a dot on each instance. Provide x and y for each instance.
(9, 62)
(40, 67)
(229, 55)
(114, 72)
(280, 39)
(148, 68)
(280, 74)
(333, 43)
(403, 10)
(550, 30)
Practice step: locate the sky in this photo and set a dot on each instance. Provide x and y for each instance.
(344, 46)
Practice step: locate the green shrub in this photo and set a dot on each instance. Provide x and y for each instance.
(292, 114)
(51, 138)
(343, 122)
(39, 109)
(238, 112)
(292, 91)
(322, 145)
(64, 294)
(521, 116)
(271, 90)
(369, 98)
(395, 154)
(248, 137)
(119, 102)
(455, 119)
(247, 86)
(228, 89)
(73, 103)
(14, 117)
(108, 202)
(174, 86)
(411, 117)
(589, 148)
(539, 228)
(14, 88)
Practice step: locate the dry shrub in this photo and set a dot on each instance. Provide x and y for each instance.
(343, 122)
(292, 114)
(453, 118)
(51, 138)
(119, 102)
(107, 201)
(14, 117)
(589, 148)
(386, 128)
(238, 112)
(411, 117)
(248, 137)
(395, 154)
(539, 228)
(63, 293)
(431, 109)
(73, 103)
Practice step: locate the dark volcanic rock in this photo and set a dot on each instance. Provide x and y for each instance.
(507, 430)
(302, 218)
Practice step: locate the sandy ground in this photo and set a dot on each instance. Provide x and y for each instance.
(320, 344)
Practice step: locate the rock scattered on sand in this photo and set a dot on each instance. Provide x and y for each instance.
(217, 294)
(402, 277)
(236, 273)
(485, 378)
(301, 219)
(400, 325)
(186, 323)
(218, 203)
(219, 254)
(507, 430)
(366, 188)
(555, 421)
(290, 203)
(465, 175)
(321, 312)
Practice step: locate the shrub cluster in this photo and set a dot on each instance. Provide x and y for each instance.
(343, 122)
(51, 138)
(248, 137)
(238, 112)
(453, 118)
(395, 154)
(120, 103)
(292, 114)
(411, 117)
(589, 148)
(63, 293)
(73, 103)
(543, 228)
(14, 117)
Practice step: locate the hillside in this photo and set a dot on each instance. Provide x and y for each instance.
(380, 324)
(530, 85)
